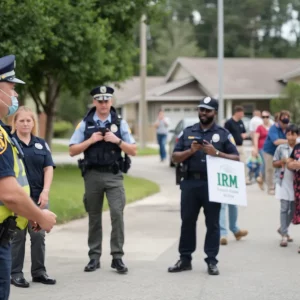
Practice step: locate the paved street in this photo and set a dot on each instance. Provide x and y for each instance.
(251, 269)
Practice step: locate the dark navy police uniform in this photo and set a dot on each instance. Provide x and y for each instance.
(37, 156)
(194, 191)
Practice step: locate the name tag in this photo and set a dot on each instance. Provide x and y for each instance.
(91, 127)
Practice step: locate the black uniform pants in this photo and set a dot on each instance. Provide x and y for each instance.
(194, 195)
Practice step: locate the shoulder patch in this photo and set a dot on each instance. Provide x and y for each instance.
(231, 139)
(3, 142)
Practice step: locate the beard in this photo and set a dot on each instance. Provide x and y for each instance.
(206, 120)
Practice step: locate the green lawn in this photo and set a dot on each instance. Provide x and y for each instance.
(58, 148)
(67, 192)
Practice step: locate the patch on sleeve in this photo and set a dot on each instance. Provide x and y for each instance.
(47, 147)
(231, 139)
(3, 143)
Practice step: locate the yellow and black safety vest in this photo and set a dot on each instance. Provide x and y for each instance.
(20, 174)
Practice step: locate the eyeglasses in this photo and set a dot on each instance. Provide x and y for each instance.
(102, 101)
(202, 109)
(265, 117)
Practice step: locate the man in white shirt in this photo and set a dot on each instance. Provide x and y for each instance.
(255, 122)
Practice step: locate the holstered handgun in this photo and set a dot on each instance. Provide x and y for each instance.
(125, 163)
(82, 166)
(181, 172)
(7, 230)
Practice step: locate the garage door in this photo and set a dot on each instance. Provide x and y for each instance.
(175, 113)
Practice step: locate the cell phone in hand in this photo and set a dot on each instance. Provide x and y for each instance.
(103, 130)
(199, 140)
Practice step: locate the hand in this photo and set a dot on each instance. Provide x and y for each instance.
(48, 220)
(43, 199)
(283, 161)
(254, 152)
(35, 226)
(111, 137)
(244, 135)
(96, 137)
(209, 149)
(196, 147)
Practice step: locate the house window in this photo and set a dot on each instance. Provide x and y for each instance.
(176, 109)
(167, 109)
(187, 109)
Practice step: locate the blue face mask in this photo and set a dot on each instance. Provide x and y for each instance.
(14, 104)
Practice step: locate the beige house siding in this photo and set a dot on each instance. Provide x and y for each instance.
(180, 73)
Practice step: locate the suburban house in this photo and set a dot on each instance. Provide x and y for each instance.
(250, 82)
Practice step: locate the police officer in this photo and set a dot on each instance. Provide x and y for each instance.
(102, 136)
(15, 202)
(197, 141)
(39, 166)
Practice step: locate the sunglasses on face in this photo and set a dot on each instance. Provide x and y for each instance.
(265, 117)
(102, 98)
(202, 109)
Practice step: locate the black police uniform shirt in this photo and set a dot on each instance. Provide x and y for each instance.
(6, 155)
(37, 156)
(219, 137)
(236, 129)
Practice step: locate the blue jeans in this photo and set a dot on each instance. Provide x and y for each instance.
(5, 267)
(254, 171)
(262, 167)
(232, 214)
(162, 139)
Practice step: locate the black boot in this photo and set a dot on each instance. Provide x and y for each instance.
(181, 265)
(118, 264)
(92, 265)
(212, 269)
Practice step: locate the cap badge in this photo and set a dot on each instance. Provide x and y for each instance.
(114, 128)
(38, 146)
(207, 100)
(103, 89)
(216, 138)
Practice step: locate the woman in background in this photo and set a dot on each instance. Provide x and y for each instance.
(39, 168)
(161, 126)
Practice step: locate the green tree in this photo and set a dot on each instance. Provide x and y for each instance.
(72, 45)
(289, 100)
(174, 40)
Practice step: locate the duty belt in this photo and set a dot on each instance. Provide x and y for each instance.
(114, 168)
(197, 175)
(7, 230)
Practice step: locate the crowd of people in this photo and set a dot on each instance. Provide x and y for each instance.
(274, 161)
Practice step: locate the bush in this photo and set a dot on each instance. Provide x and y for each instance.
(61, 129)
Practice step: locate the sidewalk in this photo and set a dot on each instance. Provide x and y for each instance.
(252, 269)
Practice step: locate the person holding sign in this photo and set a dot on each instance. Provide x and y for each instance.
(196, 142)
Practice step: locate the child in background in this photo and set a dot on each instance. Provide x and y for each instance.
(284, 183)
(254, 163)
(294, 165)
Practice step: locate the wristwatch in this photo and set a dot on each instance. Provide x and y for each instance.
(120, 142)
(217, 153)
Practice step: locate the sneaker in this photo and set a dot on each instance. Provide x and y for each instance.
(241, 233)
(223, 240)
(284, 242)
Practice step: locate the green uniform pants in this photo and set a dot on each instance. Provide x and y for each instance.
(96, 184)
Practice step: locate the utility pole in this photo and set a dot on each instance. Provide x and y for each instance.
(143, 105)
(220, 59)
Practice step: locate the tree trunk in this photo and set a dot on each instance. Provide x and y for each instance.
(52, 93)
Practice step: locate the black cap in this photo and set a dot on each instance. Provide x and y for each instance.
(7, 69)
(209, 103)
(102, 92)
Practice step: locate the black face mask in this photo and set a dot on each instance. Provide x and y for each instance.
(285, 121)
(208, 120)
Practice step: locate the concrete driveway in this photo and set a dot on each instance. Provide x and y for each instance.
(251, 269)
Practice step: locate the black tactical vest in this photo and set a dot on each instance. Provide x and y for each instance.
(102, 153)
